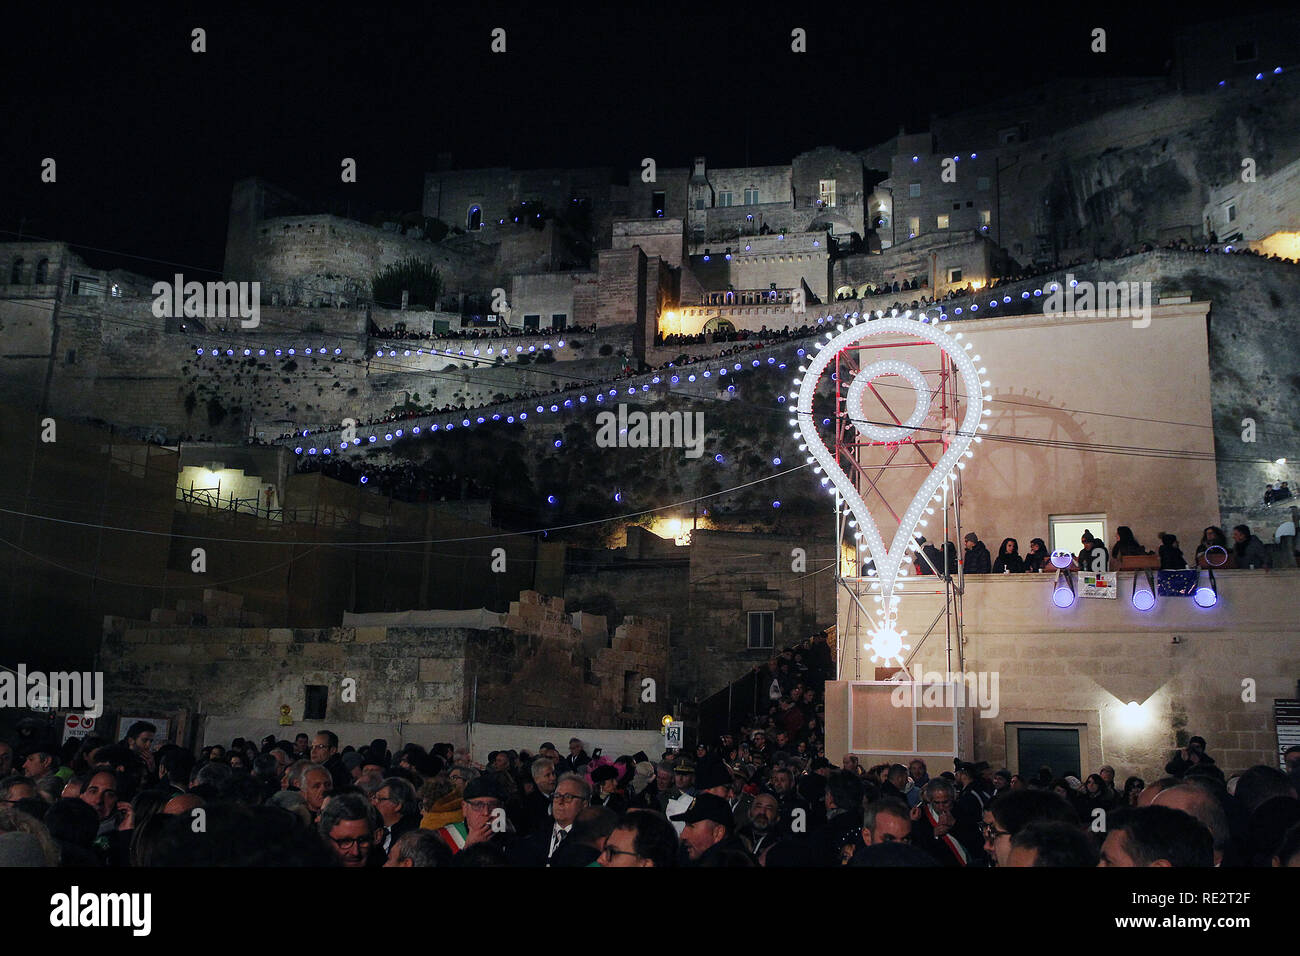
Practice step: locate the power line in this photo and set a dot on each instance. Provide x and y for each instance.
(414, 541)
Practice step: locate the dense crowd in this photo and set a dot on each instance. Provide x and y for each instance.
(473, 334)
(756, 800)
(1244, 550)
(763, 335)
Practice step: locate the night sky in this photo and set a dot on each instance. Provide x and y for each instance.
(149, 137)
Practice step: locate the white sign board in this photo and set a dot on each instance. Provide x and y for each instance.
(1098, 585)
(77, 725)
(674, 735)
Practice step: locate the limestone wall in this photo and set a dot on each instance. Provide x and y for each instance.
(1187, 668)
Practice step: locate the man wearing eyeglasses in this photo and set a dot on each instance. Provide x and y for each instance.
(325, 751)
(484, 817)
(572, 796)
(352, 829)
(1009, 813)
(398, 807)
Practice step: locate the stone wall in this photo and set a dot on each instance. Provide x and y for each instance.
(732, 575)
(537, 668)
(1183, 666)
(930, 258)
(1269, 204)
(656, 237)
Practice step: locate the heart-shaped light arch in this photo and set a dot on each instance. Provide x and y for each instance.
(886, 640)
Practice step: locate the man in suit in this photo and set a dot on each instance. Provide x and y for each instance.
(576, 760)
(537, 805)
(572, 796)
(399, 808)
(325, 751)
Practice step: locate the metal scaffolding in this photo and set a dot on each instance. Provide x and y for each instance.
(866, 463)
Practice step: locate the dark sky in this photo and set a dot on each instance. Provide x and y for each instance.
(149, 137)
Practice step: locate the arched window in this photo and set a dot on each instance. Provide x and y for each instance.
(42, 272)
(475, 218)
(16, 274)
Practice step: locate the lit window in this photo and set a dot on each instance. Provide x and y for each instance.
(826, 191)
(986, 217)
(943, 221)
(914, 225)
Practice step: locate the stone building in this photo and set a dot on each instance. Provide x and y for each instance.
(1099, 682)
(421, 675)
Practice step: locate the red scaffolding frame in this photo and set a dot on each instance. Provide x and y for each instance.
(926, 445)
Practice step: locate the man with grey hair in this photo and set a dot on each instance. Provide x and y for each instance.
(317, 784)
(537, 805)
(461, 775)
(572, 796)
(352, 829)
(398, 806)
(292, 802)
(418, 848)
(935, 828)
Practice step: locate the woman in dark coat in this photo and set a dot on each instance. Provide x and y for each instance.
(1009, 559)
(1171, 556)
(1037, 557)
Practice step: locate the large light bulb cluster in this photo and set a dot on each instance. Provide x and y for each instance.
(889, 563)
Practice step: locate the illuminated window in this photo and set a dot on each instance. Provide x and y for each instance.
(986, 217)
(914, 225)
(942, 222)
(826, 191)
(1066, 531)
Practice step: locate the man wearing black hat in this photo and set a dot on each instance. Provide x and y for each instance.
(708, 834)
(40, 760)
(484, 817)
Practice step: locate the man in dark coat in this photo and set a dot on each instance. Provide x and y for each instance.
(978, 560)
(709, 835)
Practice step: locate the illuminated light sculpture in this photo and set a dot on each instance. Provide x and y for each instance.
(1144, 590)
(886, 643)
(1206, 595)
(1063, 592)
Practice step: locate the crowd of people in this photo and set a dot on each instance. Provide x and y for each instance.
(472, 333)
(739, 801)
(763, 335)
(1245, 550)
